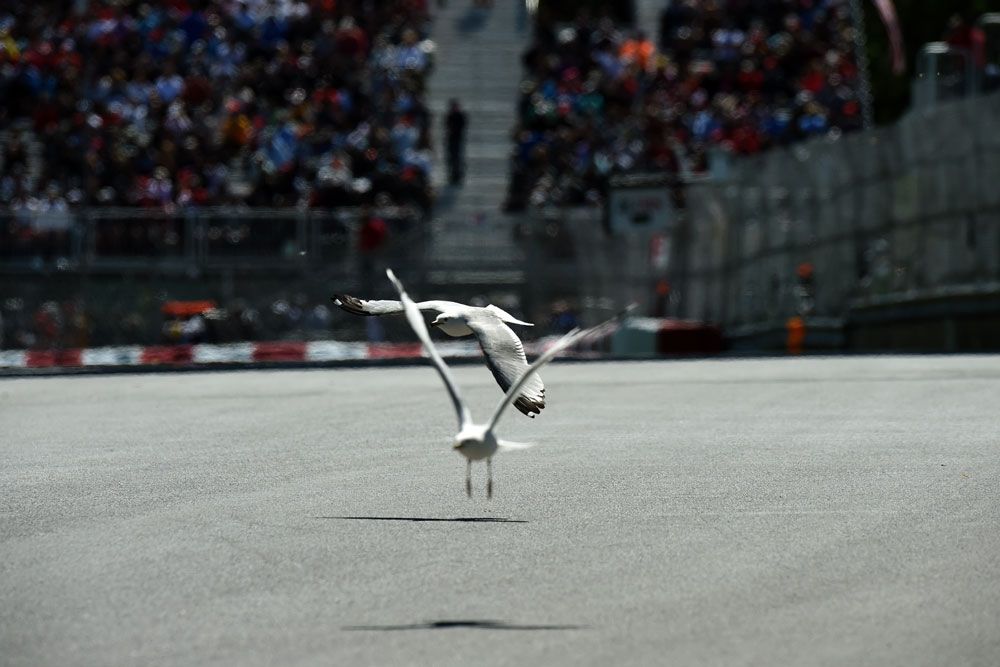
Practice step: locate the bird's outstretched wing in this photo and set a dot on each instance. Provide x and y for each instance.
(370, 307)
(416, 321)
(512, 393)
(505, 358)
(560, 345)
(507, 317)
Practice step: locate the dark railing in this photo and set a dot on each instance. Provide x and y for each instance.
(907, 213)
(101, 276)
(109, 239)
(944, 72)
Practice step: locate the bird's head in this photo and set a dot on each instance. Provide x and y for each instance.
(446, 319)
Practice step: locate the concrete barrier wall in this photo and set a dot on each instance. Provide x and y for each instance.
(900, 213)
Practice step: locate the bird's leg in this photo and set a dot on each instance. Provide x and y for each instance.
(468, 478)
(489, 477)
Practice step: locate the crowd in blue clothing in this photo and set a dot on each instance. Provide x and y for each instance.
(270, 103)
(738, 76)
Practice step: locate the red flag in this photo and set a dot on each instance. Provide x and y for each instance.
(887, 11)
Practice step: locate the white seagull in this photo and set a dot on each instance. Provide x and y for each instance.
(477, 441)
(501, 347)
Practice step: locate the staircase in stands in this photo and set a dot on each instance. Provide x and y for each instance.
(478, 62)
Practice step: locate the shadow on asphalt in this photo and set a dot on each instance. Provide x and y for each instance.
(461, 519)
(468, 624)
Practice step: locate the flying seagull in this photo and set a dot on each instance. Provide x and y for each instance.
(477, 441)
(501, 347)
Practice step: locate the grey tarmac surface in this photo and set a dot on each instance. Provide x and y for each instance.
(818, 511)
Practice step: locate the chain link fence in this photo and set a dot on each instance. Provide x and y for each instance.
(78, 277)
(901, 214)
(828, 230)
(573, 264)
(832, 231)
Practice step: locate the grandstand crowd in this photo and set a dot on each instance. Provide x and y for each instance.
(268, 103)
(181, 104)
(732, 75)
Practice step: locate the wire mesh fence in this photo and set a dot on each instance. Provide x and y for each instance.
(904, 212)
(897, 215)
(76, 277)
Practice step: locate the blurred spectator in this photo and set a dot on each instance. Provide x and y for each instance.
(372, 237)
(214, 102)
(49, 324)
(962, 34)
(728, 74)
(455, 123)
(972, 38)
(194, 329)
(563, 318)
(36, 227)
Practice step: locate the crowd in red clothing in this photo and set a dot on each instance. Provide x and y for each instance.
(737, 75)
(271, 103)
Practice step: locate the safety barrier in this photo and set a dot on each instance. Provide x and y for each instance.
(828, 227)
(234, 354)
(262, 354)
(44, 238)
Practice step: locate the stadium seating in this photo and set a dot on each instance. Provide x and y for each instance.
(267, 103)
(733, 75)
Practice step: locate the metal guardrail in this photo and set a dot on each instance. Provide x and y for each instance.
(100, 276)
(110, 239)
(828, 226)
(943, 72)
(989, 24)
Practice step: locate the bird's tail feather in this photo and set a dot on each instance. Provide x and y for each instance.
(507, 444)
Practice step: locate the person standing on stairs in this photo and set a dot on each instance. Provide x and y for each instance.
(455, 122)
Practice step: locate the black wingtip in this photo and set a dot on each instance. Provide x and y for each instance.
(529, 407)
(349, 303)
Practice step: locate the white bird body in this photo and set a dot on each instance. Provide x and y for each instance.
(477, 442)
(502, 349)
(388, 307)
(455, 328)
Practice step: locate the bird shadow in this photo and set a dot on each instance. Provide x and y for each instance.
(468, 624)
(420, 519)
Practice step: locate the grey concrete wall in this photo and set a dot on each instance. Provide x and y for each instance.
(901, 215)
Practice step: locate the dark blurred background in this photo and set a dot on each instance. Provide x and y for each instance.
(797, 174)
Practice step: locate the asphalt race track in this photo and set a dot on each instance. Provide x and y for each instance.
(819, 511)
